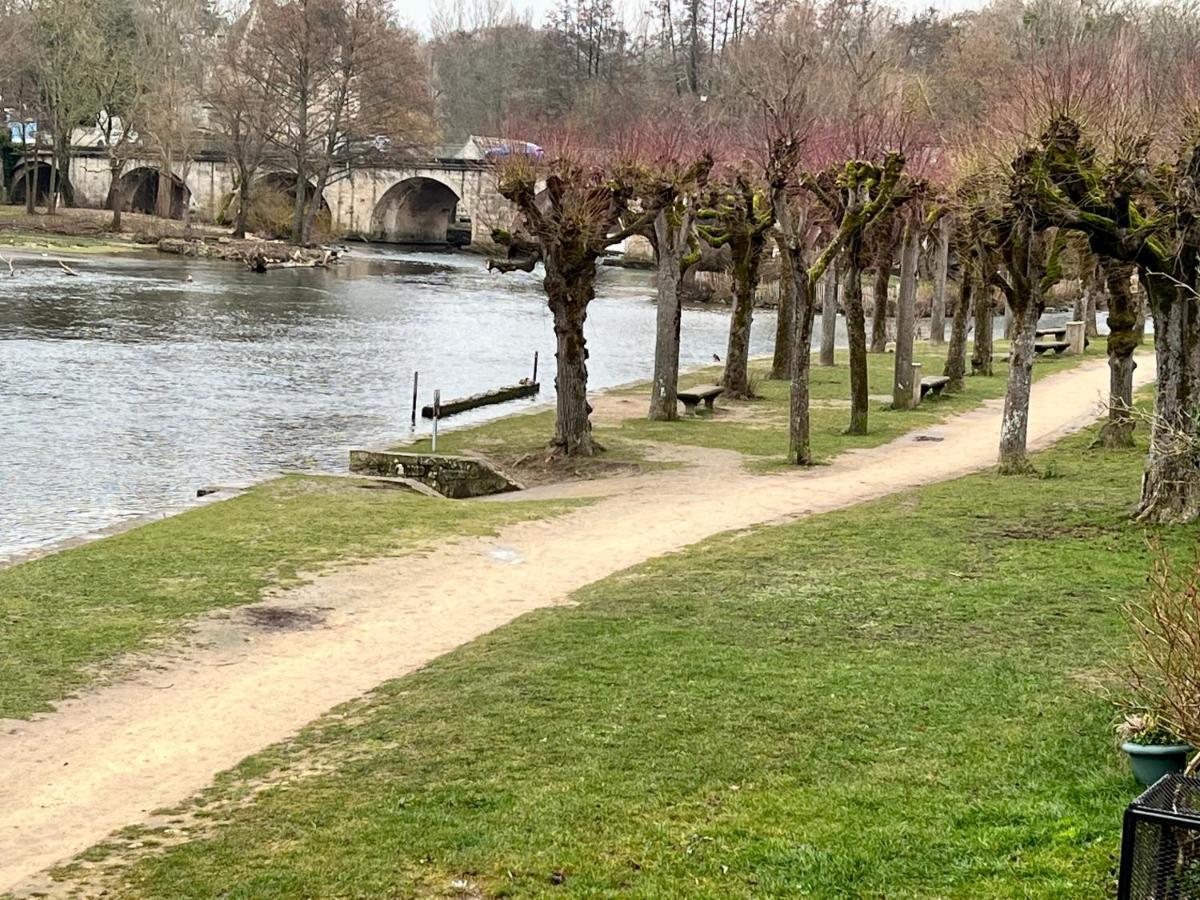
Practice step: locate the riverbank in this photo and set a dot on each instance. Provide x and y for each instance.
(88, 231)
(756, 429)
(860, 672)
(178, 716)
(170, 571)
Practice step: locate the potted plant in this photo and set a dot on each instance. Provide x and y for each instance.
(1161, 725)
(1154, 749)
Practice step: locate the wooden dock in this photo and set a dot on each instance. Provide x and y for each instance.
(487, 398)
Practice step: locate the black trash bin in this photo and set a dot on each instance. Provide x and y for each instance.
(1160, 842)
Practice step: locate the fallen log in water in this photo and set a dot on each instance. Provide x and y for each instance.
(487, 398)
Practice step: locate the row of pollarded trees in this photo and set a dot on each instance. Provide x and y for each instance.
(849, 182)
(1012, 233)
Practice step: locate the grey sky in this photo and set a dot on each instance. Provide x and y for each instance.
(419, 13)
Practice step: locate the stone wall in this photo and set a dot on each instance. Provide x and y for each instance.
(458, 477)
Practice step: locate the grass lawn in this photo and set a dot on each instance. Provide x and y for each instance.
(68, 613)
(758, 428)
(888, 701)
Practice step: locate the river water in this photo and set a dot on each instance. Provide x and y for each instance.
(125, 389)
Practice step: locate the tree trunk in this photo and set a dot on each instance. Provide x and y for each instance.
(956, 357)
(31, 182)
(314, 206)
(1009, 322)
(856, 329)
(166, 192)
(883, 276)
(664, 400)
(937, 313)
(981, 356)
(829, 308)
(569, 291)
(736, 380)
(61, 155)
(245, 198)
(1015, 424)
(1171, 482)
(1124, 336)
(906, 308)
(781, 362)
(799, 437)
(52, 197)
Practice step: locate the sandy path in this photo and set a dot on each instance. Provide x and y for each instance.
(107, 759)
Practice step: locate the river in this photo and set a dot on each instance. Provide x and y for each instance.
(125, 389)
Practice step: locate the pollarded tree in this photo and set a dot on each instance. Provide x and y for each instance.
(567, 227)
(739, 214)
(850, 199)
(670, 194)
(1030, 250)
(1146, 215)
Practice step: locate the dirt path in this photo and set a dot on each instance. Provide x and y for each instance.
(254, 677)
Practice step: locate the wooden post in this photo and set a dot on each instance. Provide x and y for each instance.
(437, 411)
(535, 355)
(916, 385)
(416, 376)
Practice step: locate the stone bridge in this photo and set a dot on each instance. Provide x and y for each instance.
(429, 201)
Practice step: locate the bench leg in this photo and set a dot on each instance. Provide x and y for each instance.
(689, 409)
(708, 403)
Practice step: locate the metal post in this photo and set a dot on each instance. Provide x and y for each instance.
(416, 376)
(535, 355)
(437, 411)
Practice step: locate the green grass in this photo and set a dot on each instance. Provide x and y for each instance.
(65, 614)
(888, 701)
(758, 428)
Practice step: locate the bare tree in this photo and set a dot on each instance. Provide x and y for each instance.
(350, 85)
(245, 119)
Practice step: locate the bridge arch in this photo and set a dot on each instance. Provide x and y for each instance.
(416, 210)
(140, 189)
(273, 204)
(41, 183)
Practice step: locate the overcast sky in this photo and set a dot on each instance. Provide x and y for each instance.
(420, 12)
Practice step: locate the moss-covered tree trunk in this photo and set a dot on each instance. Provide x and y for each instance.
(569, 288)
(1014, 426)
(799, 438)
(906, 307)
(1124, 336)
(856, 331)
(747, 255)
(668, 276)
(781, 361)
(941, 266)
(1171, 483)
(956, 355)
(981, 355)
(829, 309)
(879, 308)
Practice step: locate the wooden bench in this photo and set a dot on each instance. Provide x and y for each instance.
(934, 384)
(693, 397)
(1059, 348)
